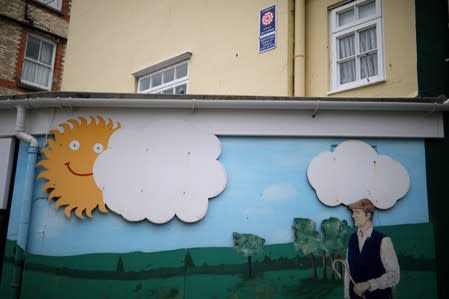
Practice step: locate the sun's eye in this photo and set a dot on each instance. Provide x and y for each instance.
(98, 148)
(74, 145)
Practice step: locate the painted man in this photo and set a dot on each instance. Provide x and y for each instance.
(372, 260)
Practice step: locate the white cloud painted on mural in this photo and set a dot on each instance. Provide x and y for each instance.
(159, 171)
(279, 192)
(353, 171)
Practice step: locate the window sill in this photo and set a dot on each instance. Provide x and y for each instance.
(31, 87)
(344, 89)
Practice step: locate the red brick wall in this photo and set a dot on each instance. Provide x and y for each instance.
(59, 65)
(20, 55)
(13, 37)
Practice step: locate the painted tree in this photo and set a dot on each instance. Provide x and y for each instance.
(336, 235)
(345, 233)
(120, 266)
(330, 228)
(307, 240)
(248, 245)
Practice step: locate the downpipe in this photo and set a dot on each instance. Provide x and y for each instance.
(26, 201)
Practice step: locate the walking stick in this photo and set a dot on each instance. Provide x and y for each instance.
(345, 264)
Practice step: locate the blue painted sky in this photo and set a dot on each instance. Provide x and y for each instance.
(267, 187)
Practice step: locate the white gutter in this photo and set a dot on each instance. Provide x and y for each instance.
(20, 128)
(256, 104)
(299, 49)
(26, 199)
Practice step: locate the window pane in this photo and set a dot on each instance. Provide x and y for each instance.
(168, 91)
(56, 4)
(368, 40)
(181, 89)
(368, 66)
(144, 83)
(347, 71)
(156, 79)
(181, 70)
(29, 71)
(52, 3)
(33, 45)
(169, 75)
(46, 53)
(42, 75)
(346, 17)
(346, 46)
(367, 9)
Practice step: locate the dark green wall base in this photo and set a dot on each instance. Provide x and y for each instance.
(432, 41)
(213, 272)
(437, 161)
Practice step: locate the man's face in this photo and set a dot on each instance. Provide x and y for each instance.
(360, 217)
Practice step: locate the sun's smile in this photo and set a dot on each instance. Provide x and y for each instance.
(67, 164)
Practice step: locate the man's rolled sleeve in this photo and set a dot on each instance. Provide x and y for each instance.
(391, 265)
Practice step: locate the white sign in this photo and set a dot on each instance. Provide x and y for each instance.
(160, 170)
(354, 170)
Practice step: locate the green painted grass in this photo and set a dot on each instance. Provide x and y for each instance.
(211, 273)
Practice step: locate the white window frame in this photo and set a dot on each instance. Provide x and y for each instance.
(160, 68)
(51, 67)
(336, 32)
(167, 85)
(56, 4)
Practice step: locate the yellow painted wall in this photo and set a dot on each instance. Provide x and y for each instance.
(108, 41)
(111, 39)
(399, 45)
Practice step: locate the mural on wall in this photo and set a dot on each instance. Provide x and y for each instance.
(267, 191)
(354, 171)
(155, 173)
(70, 157)
(266, 179)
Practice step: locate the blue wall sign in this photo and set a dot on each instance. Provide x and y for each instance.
(267, 32)
(267, 20)
(267, 42)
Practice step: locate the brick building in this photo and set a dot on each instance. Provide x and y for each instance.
(33, 39)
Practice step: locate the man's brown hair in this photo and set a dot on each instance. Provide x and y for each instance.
(363, 204)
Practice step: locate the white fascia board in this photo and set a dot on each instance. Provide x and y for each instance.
(252, 122)
(236, 104)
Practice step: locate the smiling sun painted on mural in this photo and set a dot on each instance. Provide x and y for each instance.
(69, 165)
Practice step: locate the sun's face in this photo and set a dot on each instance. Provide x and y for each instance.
(69, 165)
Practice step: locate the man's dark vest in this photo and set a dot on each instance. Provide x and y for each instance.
(367, 264)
